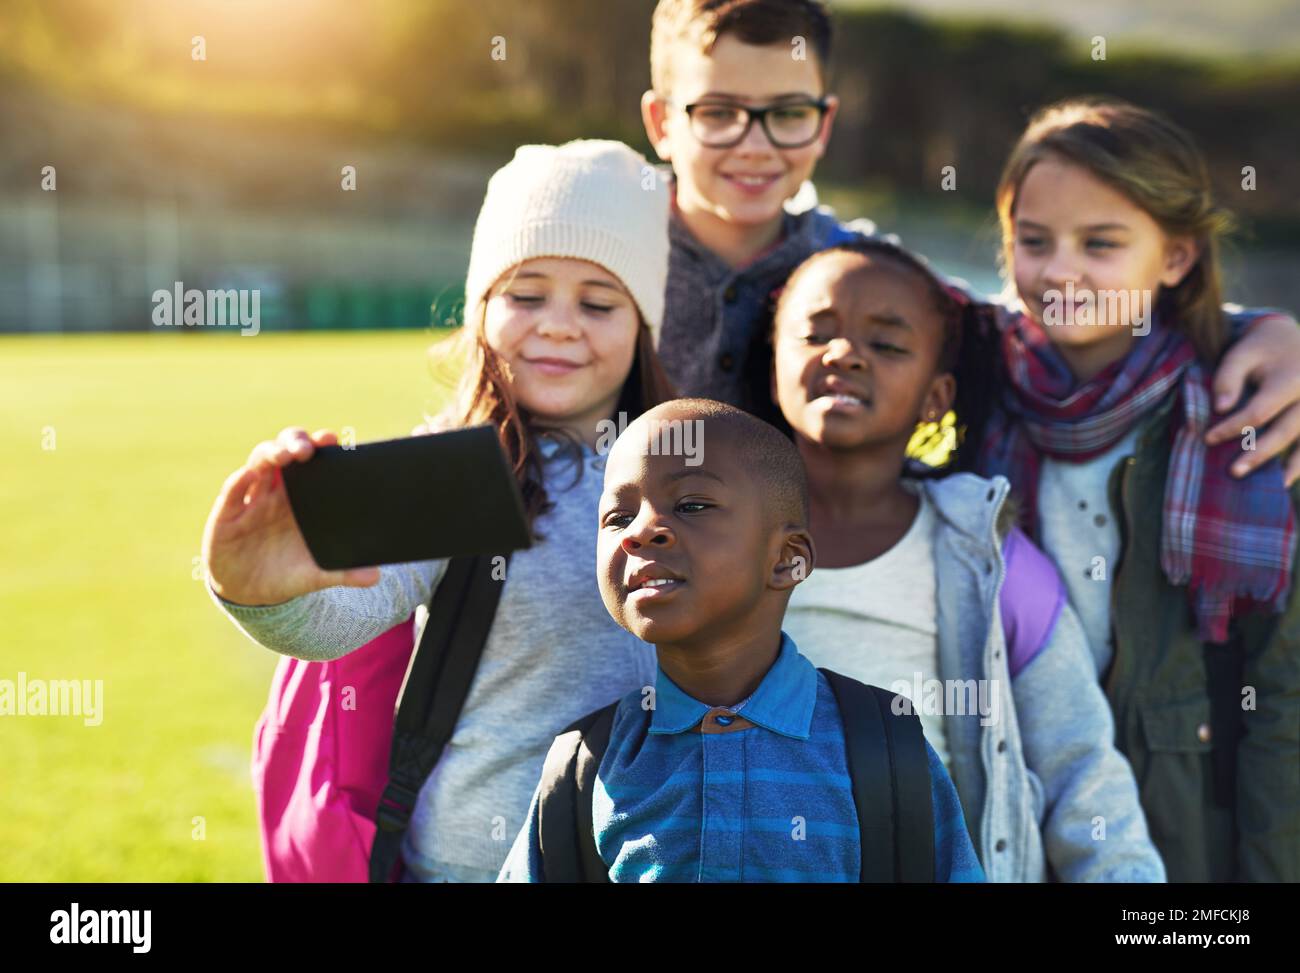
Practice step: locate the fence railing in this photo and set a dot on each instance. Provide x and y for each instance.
(75, 265)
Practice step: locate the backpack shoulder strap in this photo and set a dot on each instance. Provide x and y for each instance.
(564, 816)
(438, 678)
(890, 774)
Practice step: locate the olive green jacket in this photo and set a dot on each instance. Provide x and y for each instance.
(1212, 731)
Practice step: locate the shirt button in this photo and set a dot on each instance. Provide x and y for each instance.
(1083, 504)
(1001, 845)
(1203, 733)
(725, 361)
(729, 295)
(1002, 746)
(722, 719)
(1099, 520)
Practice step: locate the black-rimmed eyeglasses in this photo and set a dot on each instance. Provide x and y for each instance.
(788, 125)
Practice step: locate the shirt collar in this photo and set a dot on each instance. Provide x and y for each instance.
(782, 703)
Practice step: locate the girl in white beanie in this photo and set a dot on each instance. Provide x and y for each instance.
(565, 288)
(570, 251)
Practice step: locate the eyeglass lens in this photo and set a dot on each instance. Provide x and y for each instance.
(786, 125)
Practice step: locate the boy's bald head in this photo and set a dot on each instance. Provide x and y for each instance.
(702, 529)
(758, 450)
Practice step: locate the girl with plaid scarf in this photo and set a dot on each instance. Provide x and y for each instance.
(1182, 573)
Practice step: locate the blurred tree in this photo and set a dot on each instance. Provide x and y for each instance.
(917, 93)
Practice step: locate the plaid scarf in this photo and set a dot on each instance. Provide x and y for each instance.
(1230, 541)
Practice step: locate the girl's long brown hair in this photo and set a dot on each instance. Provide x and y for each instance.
(483, 396)
(1156, 165)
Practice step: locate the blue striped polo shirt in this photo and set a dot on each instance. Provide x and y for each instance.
(687, 792)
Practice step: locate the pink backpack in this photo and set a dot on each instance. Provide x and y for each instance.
(323, 755)
(320, 759)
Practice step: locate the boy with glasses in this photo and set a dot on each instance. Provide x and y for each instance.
(739, 108)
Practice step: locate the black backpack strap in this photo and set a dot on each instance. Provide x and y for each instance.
(890, 774)
(564, 818)
(433, 694)
(913, 810)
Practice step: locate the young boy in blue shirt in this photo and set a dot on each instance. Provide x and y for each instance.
(734, 768)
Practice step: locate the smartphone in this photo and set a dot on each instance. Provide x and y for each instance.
(413, 499)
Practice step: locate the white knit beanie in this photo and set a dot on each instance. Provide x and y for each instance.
(591, 199)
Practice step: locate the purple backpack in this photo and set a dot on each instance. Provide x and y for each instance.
(1031, 599)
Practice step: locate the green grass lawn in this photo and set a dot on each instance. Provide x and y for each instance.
(97, 582)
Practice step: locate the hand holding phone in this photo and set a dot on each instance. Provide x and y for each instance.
(305, 513)
(253, 551)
